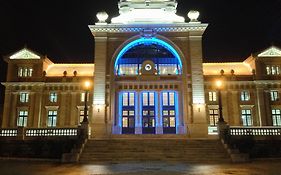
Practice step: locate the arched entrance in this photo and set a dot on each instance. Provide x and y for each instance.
(148, 76)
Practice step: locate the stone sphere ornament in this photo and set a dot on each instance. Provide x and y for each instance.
(193, 15)
(102, 17)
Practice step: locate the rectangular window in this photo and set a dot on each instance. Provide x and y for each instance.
(172, 98)
(273, 70)
(276, 117)
(268, 70)
(25, 72)
(132, 99)
(81, 116)
(145, 99)
(52, 118)
(247, 117)
(53, 97)
(245, 96)
(212, 96)
(24, 97)
(214, 117)
(22, 118)
(151, 99)
(274, 95)
(82, 96)
(165, 99)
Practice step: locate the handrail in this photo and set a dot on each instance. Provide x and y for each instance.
(9, 132)
(51, 132)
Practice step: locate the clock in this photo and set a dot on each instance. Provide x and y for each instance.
(148, 67)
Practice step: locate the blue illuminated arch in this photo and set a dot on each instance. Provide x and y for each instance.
(147, 41)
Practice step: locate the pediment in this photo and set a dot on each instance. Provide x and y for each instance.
(25, 54)
(271, 52)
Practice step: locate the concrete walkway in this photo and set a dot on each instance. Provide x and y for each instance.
(153, 168)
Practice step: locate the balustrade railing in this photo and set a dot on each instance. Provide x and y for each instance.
(8, 132)
(39, 132)
(51, 132)
(255, 131)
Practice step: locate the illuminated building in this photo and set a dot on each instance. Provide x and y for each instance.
(148, 78)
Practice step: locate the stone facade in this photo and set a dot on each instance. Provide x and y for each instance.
(41, 94)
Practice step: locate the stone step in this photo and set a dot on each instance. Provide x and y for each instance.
(110, 150)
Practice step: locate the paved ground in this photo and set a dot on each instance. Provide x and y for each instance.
(43, 168)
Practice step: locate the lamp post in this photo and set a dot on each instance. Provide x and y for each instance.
(219, 84)
(87, 85)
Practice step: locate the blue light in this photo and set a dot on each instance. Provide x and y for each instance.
(146, 41)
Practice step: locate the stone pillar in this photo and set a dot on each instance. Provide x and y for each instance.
(62, 113)
(225, 101)
(261, 108)
(235, 109)
(199, 127)
(99, 116)
(159, 123)
(31, 114)
(14, 111)
(7, 109)
(138, 111)
(37, 108)
(73, 112)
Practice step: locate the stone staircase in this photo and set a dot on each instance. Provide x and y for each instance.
(134, 150)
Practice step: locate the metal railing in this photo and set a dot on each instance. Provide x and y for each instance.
(255, 131)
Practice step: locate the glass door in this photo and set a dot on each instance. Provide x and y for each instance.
(128, 113)
(148, 113)
(169, 112)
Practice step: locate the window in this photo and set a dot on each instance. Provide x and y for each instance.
(245, 96)
(212, 96)
(214, 117)
(24, 97)
(274, 95)
(52, 118)
(128, 69)
(273, 70)
(276, 117)
(22, 119)
(148, 99)
(25, 72)
(168, 99)
(81, 115)
(247, 117)
(53, 97)
(82, 96)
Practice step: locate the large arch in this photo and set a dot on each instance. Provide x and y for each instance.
(157, 39)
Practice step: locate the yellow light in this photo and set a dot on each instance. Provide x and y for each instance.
(219, 83)
(87, 84)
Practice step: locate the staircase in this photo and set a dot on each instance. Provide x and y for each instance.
(134, 150)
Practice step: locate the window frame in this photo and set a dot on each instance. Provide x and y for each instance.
(244, 94)
(23, 118)
(245, 117)
(53, 117)
(24, 97)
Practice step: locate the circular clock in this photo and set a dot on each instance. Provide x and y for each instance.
(148, 67)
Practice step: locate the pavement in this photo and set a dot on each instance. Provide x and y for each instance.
(12, 167)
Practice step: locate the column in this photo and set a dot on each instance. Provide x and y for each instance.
(225, 101)
(235, 110)
(31, 114)
(7, 109)
(260, 101)
(199, 127)
(138, 113)
(73, 112)
(267, 98)
(62, 111)
(100, 128)
(181, 127)
(13, 115)
(158, 105)
(38, 108)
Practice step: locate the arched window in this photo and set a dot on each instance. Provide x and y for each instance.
(163, 58)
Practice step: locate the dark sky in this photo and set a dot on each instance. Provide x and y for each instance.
(59, 28)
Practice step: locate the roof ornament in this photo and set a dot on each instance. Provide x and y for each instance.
(102, 17)
(193, 15)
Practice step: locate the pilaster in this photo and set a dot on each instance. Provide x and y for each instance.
(7, 109)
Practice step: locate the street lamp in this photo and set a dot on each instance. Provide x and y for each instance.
(87, 85)
(219, 84)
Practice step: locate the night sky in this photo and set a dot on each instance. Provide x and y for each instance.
(59, 28)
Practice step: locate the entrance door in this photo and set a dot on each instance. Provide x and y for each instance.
(169, 113)
(128, 113)
(148, 113)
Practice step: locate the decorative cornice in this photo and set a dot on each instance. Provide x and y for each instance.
(185, 27)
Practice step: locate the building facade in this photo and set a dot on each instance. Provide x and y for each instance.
(148, 77)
